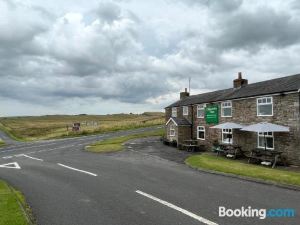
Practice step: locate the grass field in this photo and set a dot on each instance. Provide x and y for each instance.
(48, 127)
(11, 211)
(115, 144)
(221, 164)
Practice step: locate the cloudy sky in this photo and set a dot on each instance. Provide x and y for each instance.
(110, 56)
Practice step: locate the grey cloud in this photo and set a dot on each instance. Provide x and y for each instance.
(264, 26)
(20, 23)
(216, 5)
(108, 11)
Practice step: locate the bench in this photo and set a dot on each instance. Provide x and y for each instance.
(229, 150)
(191, 146)
(265, 157)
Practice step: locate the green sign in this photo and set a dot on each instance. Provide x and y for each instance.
(212, 114)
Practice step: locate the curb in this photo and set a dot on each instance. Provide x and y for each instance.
(255, 180)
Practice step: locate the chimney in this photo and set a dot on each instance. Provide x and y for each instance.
(240, 82)
(184, 94)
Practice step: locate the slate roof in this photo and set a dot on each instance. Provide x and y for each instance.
(181, 121)
(279, 85)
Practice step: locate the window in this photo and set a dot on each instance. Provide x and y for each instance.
(226, 109)
(266, 138)
(201, 111)
(174, 112)
(185, 110)
(172, 130)
(265, 106)
(227, 136)
(201, 133)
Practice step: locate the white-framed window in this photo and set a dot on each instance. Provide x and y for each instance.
(174, 112)
(265, 106)
(201, 111)
(226, 109)
(201, 132)
(267, 139)
(172, 131)
(227, 136)
(185, 110)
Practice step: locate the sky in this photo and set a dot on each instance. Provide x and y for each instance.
(113, 56)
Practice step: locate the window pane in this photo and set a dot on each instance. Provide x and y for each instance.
(265, 109)
(269, 141)
(201, 113)
(201, 134)
(185, 110)
(261, 142)
(226, 111)
(227, 136)
(174, 112)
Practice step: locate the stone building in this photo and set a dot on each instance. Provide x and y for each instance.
(275, 101)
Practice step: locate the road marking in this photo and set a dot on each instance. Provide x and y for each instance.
(7, 157)
(13, 165)
(170, 205)
(82, 171)
(27, 156)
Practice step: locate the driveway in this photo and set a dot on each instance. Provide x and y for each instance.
(154, 147)
(65, 185)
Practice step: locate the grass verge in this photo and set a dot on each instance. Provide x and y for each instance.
(115, 144)
(10, 133)
(210, 162)
(11, 203)
(2, 143)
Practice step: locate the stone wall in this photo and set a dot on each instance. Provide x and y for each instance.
(172, 138)
(244, 111)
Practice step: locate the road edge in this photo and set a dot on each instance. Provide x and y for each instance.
(255, 180)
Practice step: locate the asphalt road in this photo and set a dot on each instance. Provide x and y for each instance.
(64, 185)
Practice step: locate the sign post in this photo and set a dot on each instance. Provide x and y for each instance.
(212, 114)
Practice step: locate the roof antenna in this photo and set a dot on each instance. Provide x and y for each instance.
(190, 85)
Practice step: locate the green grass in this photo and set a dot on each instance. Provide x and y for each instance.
(2, 143)
(220, 164)
(10, 209)
(115, 144)
(33, 128)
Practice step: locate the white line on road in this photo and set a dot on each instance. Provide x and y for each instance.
(27, 156)
(82, 171)
(170, 205)
(7, 157)
(13, 165)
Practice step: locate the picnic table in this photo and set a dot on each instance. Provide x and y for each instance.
(230, 150)
(265, 156)
(191, 145)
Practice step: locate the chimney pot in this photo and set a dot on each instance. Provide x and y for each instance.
(240, 75)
